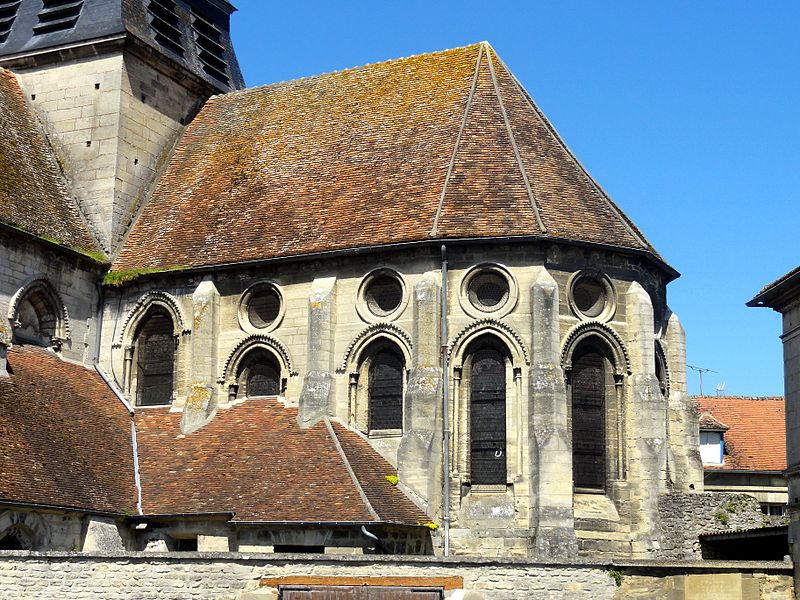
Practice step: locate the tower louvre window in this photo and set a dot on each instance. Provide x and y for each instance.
(209, 48)
(165, 24)
(8, 13)
(58, 15)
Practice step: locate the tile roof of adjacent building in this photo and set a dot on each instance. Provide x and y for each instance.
(65, 436)
(756, 438)
(780, 292)
(33, 193)
(433, 147)
(253, 460)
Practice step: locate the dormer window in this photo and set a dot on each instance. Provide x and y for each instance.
(210, 49)
(58, 15)
(8, 14)
(165, 23)
(711, 447)
(712, 442)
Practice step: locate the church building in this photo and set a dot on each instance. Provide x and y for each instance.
(379, 310)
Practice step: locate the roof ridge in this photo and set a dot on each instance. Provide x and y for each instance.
(457, 145)
(286, 82)
(350, 471)
(514, 146)
(632, 229)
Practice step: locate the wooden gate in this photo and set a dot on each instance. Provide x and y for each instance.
(362, 592)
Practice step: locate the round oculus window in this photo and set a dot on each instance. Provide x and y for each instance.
(589, 296)
(383, 295)
(263, 307)
(488, 291)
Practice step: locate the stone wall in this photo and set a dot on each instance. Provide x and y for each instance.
(686, 516)
(193, 576)
(74, 279)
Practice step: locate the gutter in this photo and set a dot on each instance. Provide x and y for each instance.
(445, 411)
(672, 273)
(104, 376)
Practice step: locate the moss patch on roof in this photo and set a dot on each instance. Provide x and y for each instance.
(33, 193)
(437, 146)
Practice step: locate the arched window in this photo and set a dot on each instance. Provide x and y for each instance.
(259, 374)
(386, 391)
(38, 315)
(488, 417)
(589, 421)
(154, 348)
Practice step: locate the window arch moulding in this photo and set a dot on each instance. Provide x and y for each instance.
(140, 310)
(595, 329)
(368, 335)
(37, 306)
(242, 353)
(513, 340)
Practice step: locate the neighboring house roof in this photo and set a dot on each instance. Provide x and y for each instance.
(780, 292)
(66, 437)
(756, 438)
(439, 146)
(33, 193)
(254, 460)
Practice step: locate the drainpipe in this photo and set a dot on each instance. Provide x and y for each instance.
(445, 410)
(112, 386)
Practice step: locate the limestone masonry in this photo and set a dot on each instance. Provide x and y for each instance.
(382, 311)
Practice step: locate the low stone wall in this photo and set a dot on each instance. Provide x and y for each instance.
(229, 576)
(683, 517)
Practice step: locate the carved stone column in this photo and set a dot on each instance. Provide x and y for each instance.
(201, 401)
(317, 396)
(549, 448)
(420, 452)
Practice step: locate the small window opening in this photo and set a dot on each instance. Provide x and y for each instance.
(97, 86)
(386, 391)
(33, 96)
(210, 48)
(58, 15)
(488, 418)
(88, 143)
(37, 318)
(260, 374)
(166, 25)
(297, 549)
(186, 544)
(155, 360)
(8, 14)
(384, 295)
(11, 542)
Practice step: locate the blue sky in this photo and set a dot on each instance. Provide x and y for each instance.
(687, 113)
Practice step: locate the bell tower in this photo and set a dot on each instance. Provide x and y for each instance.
(114, 82)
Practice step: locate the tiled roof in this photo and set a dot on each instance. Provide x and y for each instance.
(64, 436)
(372, 470)
(255, 461)
(33, 194)
(756, 438)
(438, 146)
(780, 292)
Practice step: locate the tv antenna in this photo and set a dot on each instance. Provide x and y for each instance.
(720, 388)
(700, 371)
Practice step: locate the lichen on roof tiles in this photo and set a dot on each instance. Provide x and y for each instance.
(360, 158)
(33, 193)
